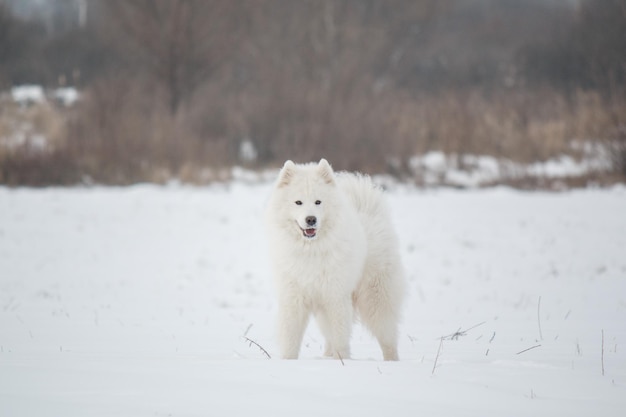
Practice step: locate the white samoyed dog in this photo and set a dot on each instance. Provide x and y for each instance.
(334, 254)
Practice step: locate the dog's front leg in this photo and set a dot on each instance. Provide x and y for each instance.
(293, 317)
(335, 321)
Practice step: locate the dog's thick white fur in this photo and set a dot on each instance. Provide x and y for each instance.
(334, 254)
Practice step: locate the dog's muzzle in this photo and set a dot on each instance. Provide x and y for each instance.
(310, 231)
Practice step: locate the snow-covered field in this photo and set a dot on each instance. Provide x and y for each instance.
(135, 302)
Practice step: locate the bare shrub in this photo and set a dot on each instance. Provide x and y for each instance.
(124, 133)
(34, 167)
(32, 145)
(299, 120)
(523, 126)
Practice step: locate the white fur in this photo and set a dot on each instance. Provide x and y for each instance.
(351, 264)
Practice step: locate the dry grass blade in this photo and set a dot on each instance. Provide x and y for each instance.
(252, 342)
(459, 332)
(437, 357)
(526, 350)
(602, 354)
(341, 359)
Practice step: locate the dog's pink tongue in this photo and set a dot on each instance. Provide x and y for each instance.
(310, 232)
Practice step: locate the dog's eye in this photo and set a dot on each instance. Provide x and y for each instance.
(318, 202)
(298, 203)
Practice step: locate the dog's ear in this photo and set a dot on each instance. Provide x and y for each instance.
(286, 173)
(325, 171)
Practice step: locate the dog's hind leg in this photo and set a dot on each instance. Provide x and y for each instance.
(389, 346)
(383, 325)
(386, 332)
(378, 310)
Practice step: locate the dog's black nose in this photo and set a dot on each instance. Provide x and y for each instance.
(311, 220)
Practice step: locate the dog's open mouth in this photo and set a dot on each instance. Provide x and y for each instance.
(309, 233)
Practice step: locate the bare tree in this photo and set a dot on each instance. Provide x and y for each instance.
(180, 42)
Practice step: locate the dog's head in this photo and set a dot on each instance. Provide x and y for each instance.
(305, 196)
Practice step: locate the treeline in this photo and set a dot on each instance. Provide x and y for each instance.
(176, 88)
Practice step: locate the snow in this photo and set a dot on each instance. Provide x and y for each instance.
(68, 96)
(473, 171)
(134, 302)
(28, 94)
(247, 151)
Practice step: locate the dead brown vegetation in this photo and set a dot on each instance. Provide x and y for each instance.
(366, 84)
